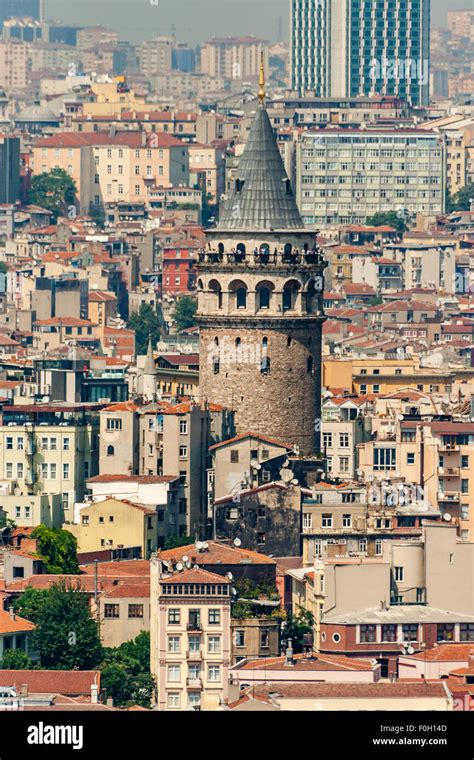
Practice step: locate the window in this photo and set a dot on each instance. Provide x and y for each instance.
(384, 459)
(234, 456)
(183, 427)
(214, 617)
(399, 573)
(173, 701)
(45, 444)
(174, 673)
(66, 471)
(174, 644)
(111, 610)
(17, 511)
(327, 440)
(344, 440)
(346, 521)
(53, 471)
(240, 638)
(465, 461)
(110, 451)
(214, 673)
(464, 485)
(65, 444)
(264, 638)
(135, 610)
(114, 423)
(183, 452)
(466, 632)
(53, 444)
(445, 632)
(19, 443)
(9, 470)
(326, 521)
(214, 644)
(174, 617)
(9, 442)
(343, 464)
(19, 470)
(410, 458)
(389, 632)
(368, 634)
(410, 631)
(378, 548)
(307, 520)
(362, 544)
(261, 539)
(28, 512)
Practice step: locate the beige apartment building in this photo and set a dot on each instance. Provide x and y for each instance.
(119, 452)
(234, 57)
(15, 65)
(115, 523)
(108, 168)
(190, 637)
(155, 56)
(207, 165)
(457, 131)
(47, 450)
(436, 456)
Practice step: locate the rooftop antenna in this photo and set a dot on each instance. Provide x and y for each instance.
(237, 542)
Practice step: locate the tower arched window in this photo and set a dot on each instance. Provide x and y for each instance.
(215, 291)
(241, 249)
(264, 296)
(110, 451)
(310, 365)
(241, 298)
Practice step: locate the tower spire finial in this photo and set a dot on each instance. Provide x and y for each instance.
(261, 81)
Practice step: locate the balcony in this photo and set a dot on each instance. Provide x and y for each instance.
(449, 447)
(194, 655)
(194, 625)
(194, 682)
(448, 472)
(451, 497)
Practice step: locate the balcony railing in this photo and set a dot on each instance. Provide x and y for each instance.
(449, 447)
(449, 496)
(194, 625)
(448, 472)
(194, 655)
(194, 682)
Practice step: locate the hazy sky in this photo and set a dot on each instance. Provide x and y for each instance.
(194, 20)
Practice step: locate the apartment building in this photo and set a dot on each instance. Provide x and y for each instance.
(345, 176)
(162, 494)
(48, 450)
(190, 637)
(155, 56)
(116, 523)
(119, 449)
(435, 455)
(458, 134)
(15, 65)
(360, 48)
(110, 168)
(206, 164)
(343, 426)
(234, 57)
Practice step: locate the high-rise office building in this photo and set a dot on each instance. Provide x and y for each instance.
(361, 47)
(21, 8)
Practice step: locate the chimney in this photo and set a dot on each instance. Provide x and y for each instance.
(11, 611)
(94, 694)
(289, 654)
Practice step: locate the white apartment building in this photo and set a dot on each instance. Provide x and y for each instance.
(345, 176)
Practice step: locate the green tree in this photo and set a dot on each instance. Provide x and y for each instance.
(174, 542)
(184, 313)
(461, 201)
(55, 191)
(58, 548)
(146, 324)
(16, 659)
(125, 688)
(296, 626)
(134, 655)
(390, 218)
(66, 635)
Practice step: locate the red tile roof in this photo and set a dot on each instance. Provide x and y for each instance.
(66, 682)
(216, 554)
(380, 690)
(195, 575)
(130, 139)
(255, 436)
(446, 653)
(16, 625)
(318, 662)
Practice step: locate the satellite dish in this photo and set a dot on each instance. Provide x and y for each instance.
(234, 590)
(205, 545)
(199, 545)
(166, 564)
(185, 558)
(410, 650)
(229, 576)
(294, 482)
(447, 517)
(254, 463)
(286, 474)
(237, 542)
(188, 564)
(179, 566)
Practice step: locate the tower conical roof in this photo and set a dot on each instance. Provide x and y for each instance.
(149, 368)
(262, 198)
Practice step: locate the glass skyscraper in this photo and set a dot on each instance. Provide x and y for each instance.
(346, 48)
